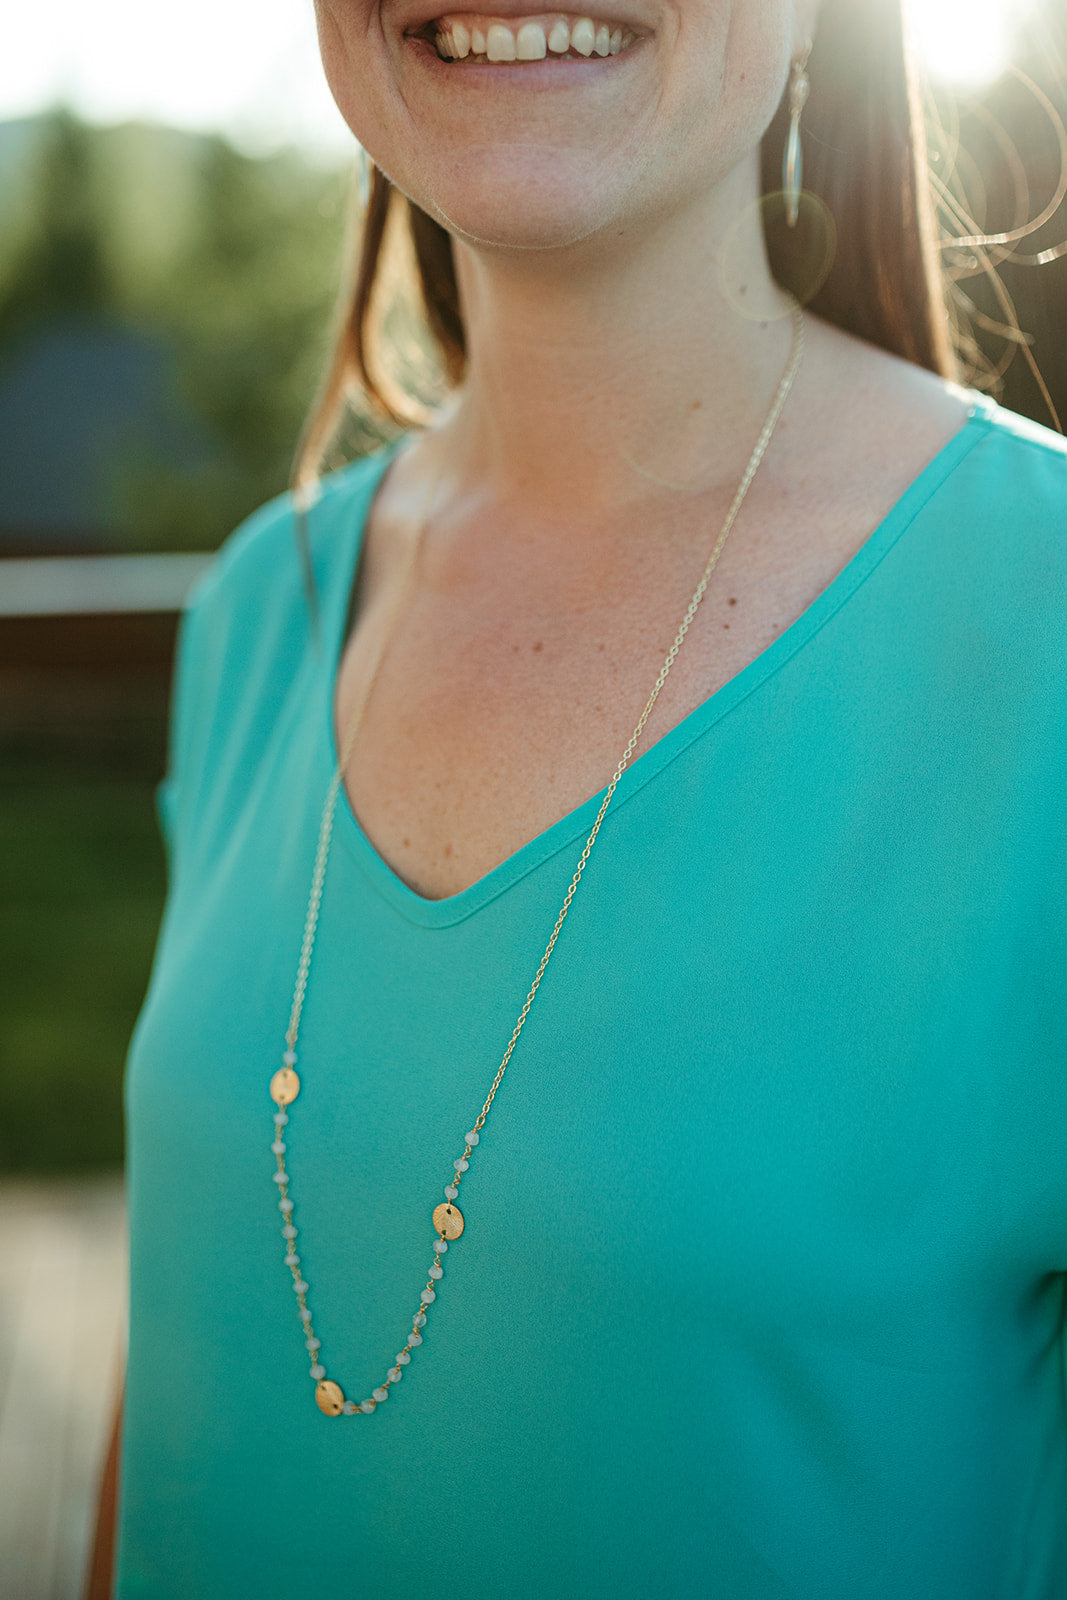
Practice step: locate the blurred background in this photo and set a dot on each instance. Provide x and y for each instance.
(175, 187)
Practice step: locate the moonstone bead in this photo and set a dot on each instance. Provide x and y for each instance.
(436, 1272)
(292, 1261)
(288, 1232)
(281, 1177)
(313, 1344)
(299, 1286)
(289, 1058)
(382, 1393)
(280, 1119)
(285, 1205)
(440, 1245)
(395, 1374)
(471, 1138)
(420, 1320)
(318, 1372)
(367, 1406)
(278, 1148)
(461, 1165)
(451, 1192)
(427, 1296)
(415, 1338)
(403, 1358)
(350, 1408)
(305, 1314)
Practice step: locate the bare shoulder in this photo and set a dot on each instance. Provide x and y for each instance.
(394, 519)
(880, 402)
(864, 426)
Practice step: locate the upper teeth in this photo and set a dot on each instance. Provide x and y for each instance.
(527, 38)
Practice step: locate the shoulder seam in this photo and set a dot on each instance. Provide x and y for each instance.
(1005, 423)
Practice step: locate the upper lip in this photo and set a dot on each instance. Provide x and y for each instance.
(422, 16)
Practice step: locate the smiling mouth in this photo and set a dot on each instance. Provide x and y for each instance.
(473, 38)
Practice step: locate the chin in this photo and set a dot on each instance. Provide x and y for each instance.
(491, 201)
(512, 223)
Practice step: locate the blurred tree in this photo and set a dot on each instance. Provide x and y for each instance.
(62, 267)
(246, 300)
(225, 265)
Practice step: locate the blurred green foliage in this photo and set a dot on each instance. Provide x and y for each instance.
(231, 262)
(81, 882)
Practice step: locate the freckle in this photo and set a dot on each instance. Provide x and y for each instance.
(732, 600)
(696, 405)
(539, 645)
(448, 849)
(407, 844)
(600, 647)
(515, 649)
(726, 624)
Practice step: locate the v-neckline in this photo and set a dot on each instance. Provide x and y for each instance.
(452, 909)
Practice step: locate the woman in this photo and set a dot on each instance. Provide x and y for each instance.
(751, 1283)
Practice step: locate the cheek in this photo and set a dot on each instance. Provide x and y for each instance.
(330, 23)
(354, 57)
(745, 67)
(716, 101)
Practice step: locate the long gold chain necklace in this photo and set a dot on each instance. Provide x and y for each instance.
(448, 1220)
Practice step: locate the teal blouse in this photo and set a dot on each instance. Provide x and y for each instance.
(761, 1293)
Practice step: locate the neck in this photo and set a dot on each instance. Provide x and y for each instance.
(597, 373)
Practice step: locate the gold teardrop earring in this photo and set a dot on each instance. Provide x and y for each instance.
(793, 161)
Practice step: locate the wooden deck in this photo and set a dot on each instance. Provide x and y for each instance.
(62, 1330)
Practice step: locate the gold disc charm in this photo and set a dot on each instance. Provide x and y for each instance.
(329, 1397)
(448, 1220)
(284, 1086)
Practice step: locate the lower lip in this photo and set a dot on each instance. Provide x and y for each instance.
(544, 74)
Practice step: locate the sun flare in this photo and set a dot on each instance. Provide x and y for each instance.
(965, 41)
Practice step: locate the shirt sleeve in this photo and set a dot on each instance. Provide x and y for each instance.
(188, 708)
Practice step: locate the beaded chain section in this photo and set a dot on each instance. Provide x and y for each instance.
(448, 1220)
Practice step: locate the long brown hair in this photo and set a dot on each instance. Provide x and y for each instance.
(865, 160)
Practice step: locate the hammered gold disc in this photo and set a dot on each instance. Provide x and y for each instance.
(284, 1086)
(329, 1397)
(448, 1220)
